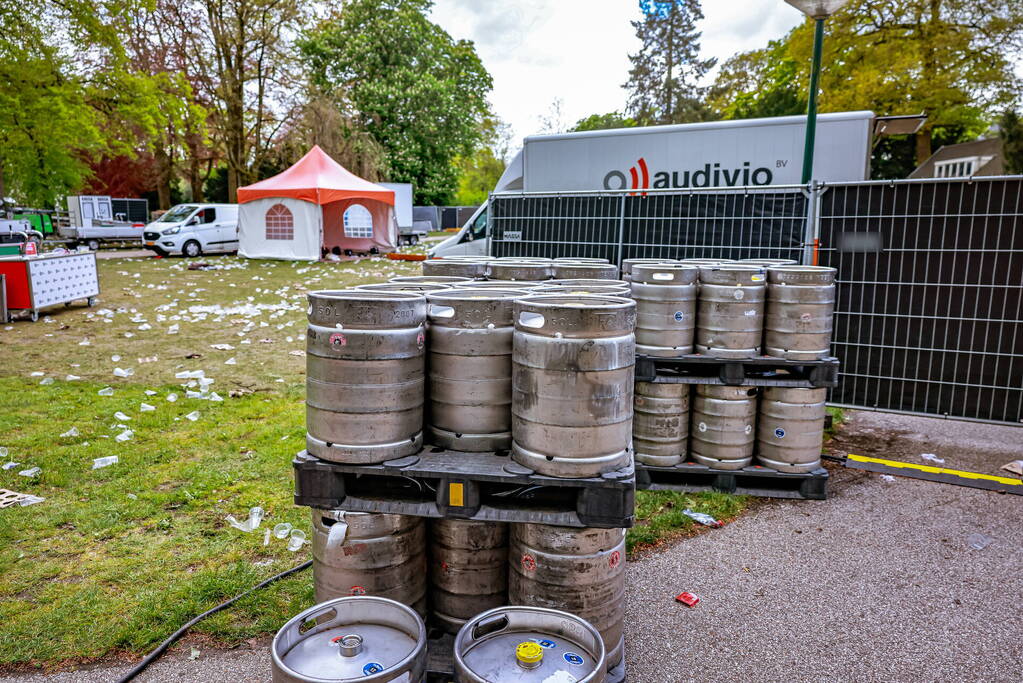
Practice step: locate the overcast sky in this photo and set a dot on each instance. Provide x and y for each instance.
(577, 50)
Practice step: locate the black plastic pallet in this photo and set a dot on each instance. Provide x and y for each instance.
(757, 371)
(478, 486)
(754, 480)
(440, 660)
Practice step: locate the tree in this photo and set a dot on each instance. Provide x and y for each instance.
(950, 59)
(759, 83)
(663, 80)
(479, 172)
(612, 119)
(420, 94)
(1010, 130)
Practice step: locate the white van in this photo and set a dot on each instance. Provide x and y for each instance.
(194, 229)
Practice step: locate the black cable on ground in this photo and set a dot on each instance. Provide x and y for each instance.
(155, 654)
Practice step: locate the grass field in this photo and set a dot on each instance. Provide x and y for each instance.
(115, 559)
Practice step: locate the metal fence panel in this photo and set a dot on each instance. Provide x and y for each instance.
(929, 316)
(745, 224)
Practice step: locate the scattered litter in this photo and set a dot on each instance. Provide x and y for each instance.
(133, 496)
(129, 335)
(105, 461)
(688, 599)
(9, 498)
(249, 525)
(193, 416)
(1016, 467)
(114, 359)
(266, 537)
(71, 378)
(85, 342)
(106, 392)
(172, 397)
(150, 392)
(37, 373)
(145, 326)
(230, 361)
(296, 540)
(121, 416)
(214, 396)
(193, 394)
(931, 457)
(173, 329)
(888, 478)
(296, 353)
(3, 451)
(9, 465)
(124, 436)
(222, 347)
(71, 432)
(148, 359)
(46, 380)
(190, 374)
(282, 530)
(146, 408)
(702, 518)
(193, 355)
(123, 372)
(194, 654)
(266, 341)
(30, 472)
(979, 541)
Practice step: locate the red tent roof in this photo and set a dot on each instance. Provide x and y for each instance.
(316, 178)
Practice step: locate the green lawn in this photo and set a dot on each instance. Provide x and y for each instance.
(117, 558)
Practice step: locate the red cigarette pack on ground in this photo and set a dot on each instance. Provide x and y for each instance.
(687, 598)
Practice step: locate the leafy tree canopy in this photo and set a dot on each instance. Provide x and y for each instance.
(607, 121)
(418, 92)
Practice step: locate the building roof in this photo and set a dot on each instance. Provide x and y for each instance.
(985, 148)
(316, 178)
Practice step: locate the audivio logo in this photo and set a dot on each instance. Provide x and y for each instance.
(711, 175)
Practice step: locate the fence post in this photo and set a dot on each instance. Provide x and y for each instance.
(621, 231)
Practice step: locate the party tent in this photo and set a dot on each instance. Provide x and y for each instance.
(314, 208)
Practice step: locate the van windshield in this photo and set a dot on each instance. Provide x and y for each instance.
(178, 213)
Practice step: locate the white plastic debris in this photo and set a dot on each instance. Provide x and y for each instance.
(173, 329)
(46, 380)
(296, 540)
(9, 465)
(30, 472)
(115, 358)
(146, 408)
(701, 517)
(150, 392)
(193, 416)
(133, 496)
(121, 416)
(106, 461)
(30, 500)
(296, 353)
(283, 529)
(145, 326)
(190, 374)
(172, 397)
(979, 541)
(222, 347)
(85, 342)
(37, 373)
(123, 372)
(266, 537)
(230, 361)
(888, 478)
(1015, 467)
(106, 392)
(124, 436)
(71, 378)
(214, 396)
(71, 432)
(250, 524)
(931, 457)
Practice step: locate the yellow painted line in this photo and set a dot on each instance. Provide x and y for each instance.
(936, 470)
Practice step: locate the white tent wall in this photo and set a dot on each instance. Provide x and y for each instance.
(307, 220)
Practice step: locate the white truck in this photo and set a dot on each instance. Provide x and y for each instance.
(718, 154)
(408, 233)
(92, 222)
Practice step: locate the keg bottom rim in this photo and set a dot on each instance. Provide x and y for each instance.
(468, 443)
(569, 468)
(793, 467)
(363, 454)
(718, 464)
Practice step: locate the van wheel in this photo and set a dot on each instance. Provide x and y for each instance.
(93, 245)
(191, 249)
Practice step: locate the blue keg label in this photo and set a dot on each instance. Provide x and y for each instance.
(779, 432)
(573, 659)
(372, 668)
(547, 644)
(679, 316)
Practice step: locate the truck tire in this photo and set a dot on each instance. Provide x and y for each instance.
(93, 244)
(191, 249)
(413, 240)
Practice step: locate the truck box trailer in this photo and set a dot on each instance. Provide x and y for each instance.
(407, 231)
(718, 154)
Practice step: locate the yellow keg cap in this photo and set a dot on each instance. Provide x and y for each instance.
(529, 652)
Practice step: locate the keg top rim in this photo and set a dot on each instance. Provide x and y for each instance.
(470, 293)
(586, 282)
(403, 287)
(367, 294)
(428, 279)
(578, 301)
(666, 266)
(803, 269)
(461, 257)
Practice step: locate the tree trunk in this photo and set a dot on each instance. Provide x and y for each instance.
(923, 144)
(930, 67)
(194, 180)
(164, 173)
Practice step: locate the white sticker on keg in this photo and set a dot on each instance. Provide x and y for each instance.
(703, 426)
(779, 432)
(679, 316)
(738, 293)
(757, 278)
(750, 314)
(749, 428)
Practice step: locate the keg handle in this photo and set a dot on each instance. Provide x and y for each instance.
(531, 319)
(439, 311)
(488, 626)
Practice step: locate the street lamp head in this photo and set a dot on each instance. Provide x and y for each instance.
(817, 9)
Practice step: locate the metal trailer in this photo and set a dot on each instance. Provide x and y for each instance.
(35, 282)
(408, 231)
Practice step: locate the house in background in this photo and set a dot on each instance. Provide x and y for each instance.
(977, 158)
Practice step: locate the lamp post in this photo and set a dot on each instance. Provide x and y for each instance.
(818, 10)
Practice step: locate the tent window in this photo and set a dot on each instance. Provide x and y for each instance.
(280, 224)
(358, 221)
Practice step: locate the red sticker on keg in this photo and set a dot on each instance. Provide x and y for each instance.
(421, 339)
(614, 560)
(528, 563)
(357, 590)
(338, 339)
(444, 565)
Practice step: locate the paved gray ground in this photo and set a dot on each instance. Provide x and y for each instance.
(875, 584)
